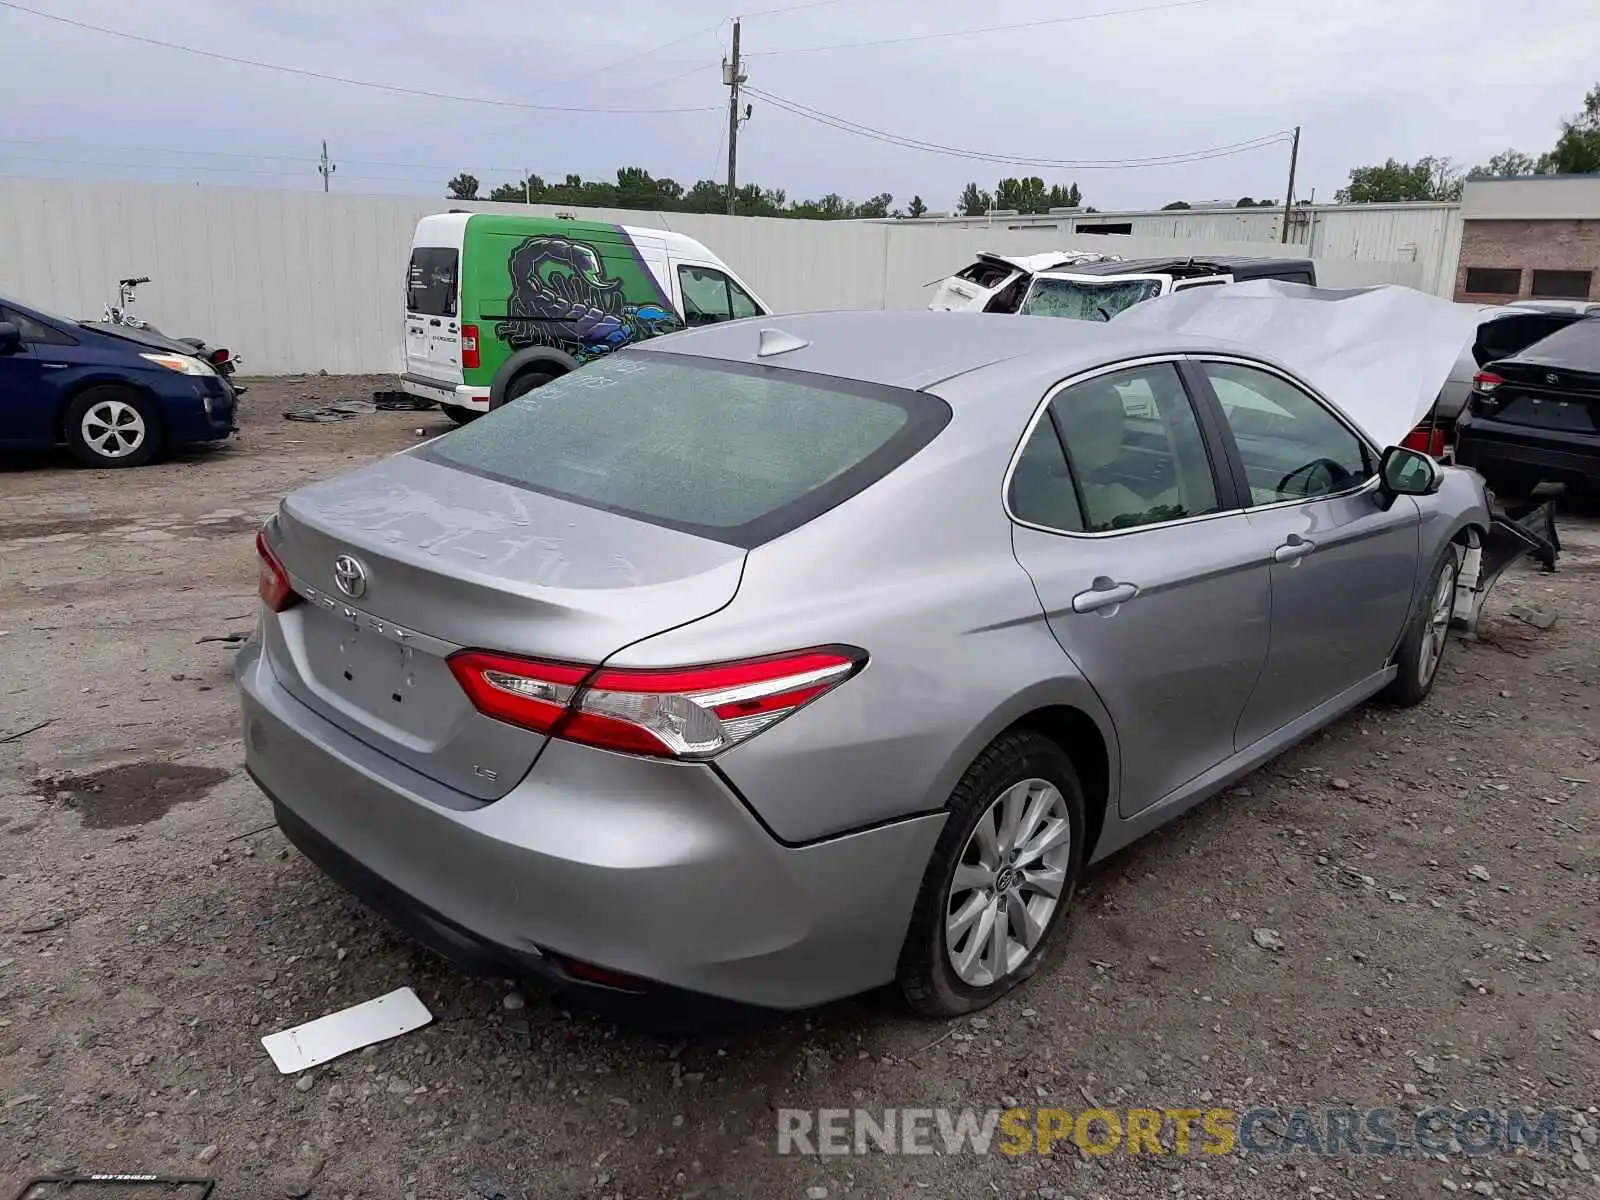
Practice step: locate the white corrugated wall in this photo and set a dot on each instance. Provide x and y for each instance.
(305, 281)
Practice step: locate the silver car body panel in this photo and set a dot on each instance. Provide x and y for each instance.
(784, 871)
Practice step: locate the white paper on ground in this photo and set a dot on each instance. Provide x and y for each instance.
(326, 1038)
(1380, 353)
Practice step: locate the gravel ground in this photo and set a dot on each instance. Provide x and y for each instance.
(1426, 885)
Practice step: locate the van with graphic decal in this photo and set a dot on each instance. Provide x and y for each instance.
(497, 305)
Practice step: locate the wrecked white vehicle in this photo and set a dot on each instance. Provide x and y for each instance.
(1380, 354)
(997, 282)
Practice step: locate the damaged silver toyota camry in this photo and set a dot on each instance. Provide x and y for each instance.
(788, 658)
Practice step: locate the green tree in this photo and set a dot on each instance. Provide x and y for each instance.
(1577, 150)
(519, 192)
(1064, 197)
(974, 201)
(1026, 195)
(1175, 205)
(916, 208)
(463, 187)
(1393, 182)
(878, 206)
(1506, 163)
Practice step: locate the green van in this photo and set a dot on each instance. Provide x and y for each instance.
(497, 305)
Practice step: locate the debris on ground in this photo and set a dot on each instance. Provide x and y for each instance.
(337, 1034)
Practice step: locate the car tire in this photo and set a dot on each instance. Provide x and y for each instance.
(460, 414)
(113, 426)
(1422, 648)
(522, 385)
(1021, 768)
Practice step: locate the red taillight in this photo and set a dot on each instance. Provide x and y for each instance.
(469, 346)
(687, 712)
(1486, 382)
(273, 581)
(217, 357)
(1426, 438)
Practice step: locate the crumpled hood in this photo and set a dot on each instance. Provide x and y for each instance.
(1380, 353)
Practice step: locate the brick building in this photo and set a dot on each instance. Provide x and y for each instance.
(1532, 238)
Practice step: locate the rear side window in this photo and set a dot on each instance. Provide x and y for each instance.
(431, 281)
(985, 274)
(736, 453)
(1505, 336)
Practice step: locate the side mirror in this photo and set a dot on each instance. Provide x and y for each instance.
(1406, 472)
(10, 337)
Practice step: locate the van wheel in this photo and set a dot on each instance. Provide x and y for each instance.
(460, 414)
(1001, 880)
(1422, 648)
(522, 385)
(112, 426)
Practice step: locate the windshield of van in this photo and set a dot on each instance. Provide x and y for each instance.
(728, 451)
(1086, 299)
(431, 281)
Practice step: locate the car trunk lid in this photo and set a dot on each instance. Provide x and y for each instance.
(1540, 396)
(406, 561)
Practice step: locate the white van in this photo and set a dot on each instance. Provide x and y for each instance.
(497, 304)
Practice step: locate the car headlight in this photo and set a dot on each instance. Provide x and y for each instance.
(180, 363)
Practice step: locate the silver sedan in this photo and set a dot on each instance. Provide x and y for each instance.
(777, 664)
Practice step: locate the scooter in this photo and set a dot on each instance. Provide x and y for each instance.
(121, 314)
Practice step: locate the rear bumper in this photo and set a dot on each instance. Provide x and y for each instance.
(1514, 459)
(654, 870)
(459, 394)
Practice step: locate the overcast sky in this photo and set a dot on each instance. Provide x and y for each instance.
(1367, 79)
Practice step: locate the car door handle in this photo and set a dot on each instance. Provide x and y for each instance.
(1293, 550)
(1104, 594)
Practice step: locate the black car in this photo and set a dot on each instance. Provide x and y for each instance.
(1534, 417)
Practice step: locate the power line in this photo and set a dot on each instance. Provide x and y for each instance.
(928, 37)
(327, 78)
(847, 126)
(773, 12)
(634, 57)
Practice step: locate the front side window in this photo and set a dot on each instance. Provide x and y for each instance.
(431, 281)
(1135, 450)
(710, 296)
(34, 333)
(1292, 447)
(1085, 299)
(739, 454)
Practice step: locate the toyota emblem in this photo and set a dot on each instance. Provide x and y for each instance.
(350, 576)
(1552, 378)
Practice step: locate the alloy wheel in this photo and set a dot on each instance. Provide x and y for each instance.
(1438, 628)
(114, 428)
(1008, 882)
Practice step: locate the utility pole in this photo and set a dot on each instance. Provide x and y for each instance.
(326, 168)
(527, 186)
(1288, 196)
(733, 77)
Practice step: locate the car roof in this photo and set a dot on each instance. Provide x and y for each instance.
(1207, 264)
(918, 349)
(1046, 261)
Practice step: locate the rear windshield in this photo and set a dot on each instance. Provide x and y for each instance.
(728, 451)
(431, 281)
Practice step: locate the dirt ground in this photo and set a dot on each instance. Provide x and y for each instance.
(1432, 876)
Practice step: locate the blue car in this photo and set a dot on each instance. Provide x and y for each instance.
(115, 399)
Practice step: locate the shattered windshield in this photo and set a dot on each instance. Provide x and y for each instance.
(1086, 299)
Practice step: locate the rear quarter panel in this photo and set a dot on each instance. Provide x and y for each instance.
(918, 571)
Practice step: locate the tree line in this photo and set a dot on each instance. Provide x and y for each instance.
(636, 188)
(1576, 152)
